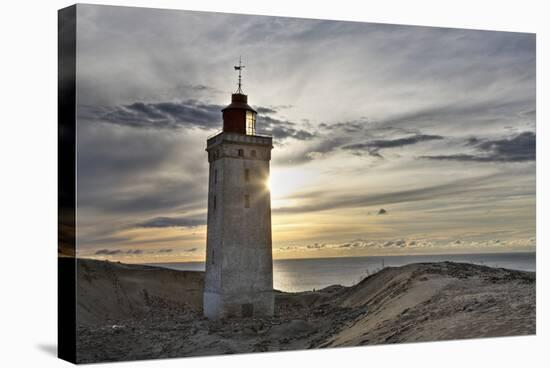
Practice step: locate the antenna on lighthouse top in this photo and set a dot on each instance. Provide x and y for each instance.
(239, 67)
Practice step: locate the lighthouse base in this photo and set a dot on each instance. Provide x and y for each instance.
(243, 305)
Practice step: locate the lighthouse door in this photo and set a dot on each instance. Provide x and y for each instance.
(247, 310)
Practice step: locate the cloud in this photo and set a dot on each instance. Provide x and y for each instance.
(269, 110)
(191, 250)
(395, 243)
(519, 148)
(199, 88)
(266, 110)
(358, 244)
(314, 151)
(97, 240)
(158, 115)
(129, 176)
(165, 195)
(108, 252)
(340, 134)
(374, 146)
(382, 211)
(113, 252)
(327, 201)
(282, 129)
(139, 173)
(188, 114)
(316, 246)
(161, 222)
(348, 126)
(407, 244)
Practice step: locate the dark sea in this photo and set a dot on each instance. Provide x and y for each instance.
(316, 273)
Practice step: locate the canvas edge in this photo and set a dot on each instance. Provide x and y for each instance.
(66, 160)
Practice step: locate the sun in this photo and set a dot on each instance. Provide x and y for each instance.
(284, 182)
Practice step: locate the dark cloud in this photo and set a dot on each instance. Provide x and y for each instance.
(112, 252)
(341, 137)
(519, 148)
(395, 244)
(191, 250)
(282, 129)
(348, 126)
(108, 252)
(160, 222)
(189, 114)
(402, 141)
(266, 110)
(374, 146)
(316, 246)
(273, 109)
(382, 211)
(159, 115)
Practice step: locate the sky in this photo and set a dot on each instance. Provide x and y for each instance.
(388, 139)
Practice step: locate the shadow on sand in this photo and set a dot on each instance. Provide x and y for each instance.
(50, 349)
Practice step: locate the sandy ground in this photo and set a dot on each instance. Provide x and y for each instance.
(128, 312)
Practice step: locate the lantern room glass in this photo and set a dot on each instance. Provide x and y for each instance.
(250, 123)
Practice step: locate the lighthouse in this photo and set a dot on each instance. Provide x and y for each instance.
(239, 265)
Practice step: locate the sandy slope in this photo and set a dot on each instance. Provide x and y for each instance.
(139, 312)
(114, 291)
(426, 302)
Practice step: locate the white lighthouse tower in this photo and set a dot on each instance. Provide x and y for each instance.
(239, 267)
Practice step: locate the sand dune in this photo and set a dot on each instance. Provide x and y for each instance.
(429, 302)
(113, 291)
(139, 312)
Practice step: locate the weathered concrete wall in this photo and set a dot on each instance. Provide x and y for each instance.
(239, 267)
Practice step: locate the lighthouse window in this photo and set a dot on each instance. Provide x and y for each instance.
(240, 153)
(250, 123)
(246, 175)
(246, 201)
(214, 202)
(253, 153)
